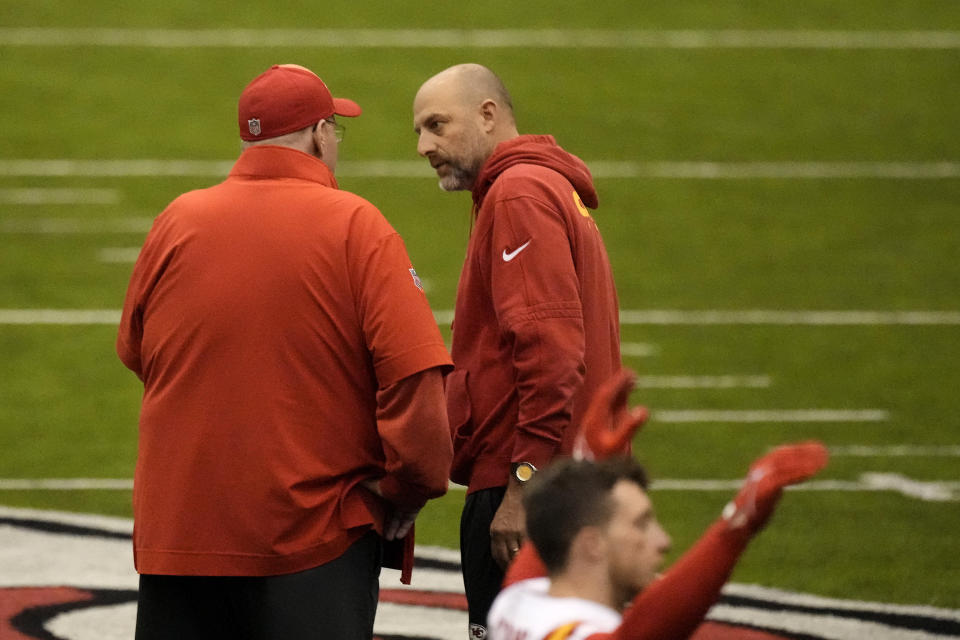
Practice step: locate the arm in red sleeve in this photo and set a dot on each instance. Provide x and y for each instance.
(675, 604)
(412, 422)
(672, 607)
(536, 296)
(526, 564)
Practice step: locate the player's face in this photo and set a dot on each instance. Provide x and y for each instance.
(636, 541)
(449, 136)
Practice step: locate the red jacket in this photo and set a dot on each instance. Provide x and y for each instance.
(536, 325)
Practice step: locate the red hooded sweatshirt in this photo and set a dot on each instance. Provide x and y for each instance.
(536, 326)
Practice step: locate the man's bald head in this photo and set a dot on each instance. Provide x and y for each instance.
(460, 115)
(471, 84)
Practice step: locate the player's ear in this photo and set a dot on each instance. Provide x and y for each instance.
(589, 545)
(317, 136)
(488, 114)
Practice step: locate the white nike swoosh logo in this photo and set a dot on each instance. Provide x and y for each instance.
(507, 257)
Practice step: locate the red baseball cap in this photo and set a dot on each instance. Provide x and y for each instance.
(286, 98)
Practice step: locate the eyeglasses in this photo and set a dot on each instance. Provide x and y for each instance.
(338, 129)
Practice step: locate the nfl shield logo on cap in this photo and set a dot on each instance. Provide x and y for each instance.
(254, 125)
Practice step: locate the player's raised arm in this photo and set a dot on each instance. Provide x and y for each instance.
(673, 606)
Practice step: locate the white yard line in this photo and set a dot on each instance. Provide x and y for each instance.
(84, 225)
(51, 195)
(683, 170)
(783, 317)
(867, 482)
(638, 349)
(627, 317)
(685, 416)
(702, 382)
(59, 316)
(896, 451)
(64, 484)
(479, 38)
(120, 255)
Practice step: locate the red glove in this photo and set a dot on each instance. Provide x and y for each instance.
(608, 425)
(785, 465)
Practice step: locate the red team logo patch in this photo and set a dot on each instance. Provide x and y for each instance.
(70, 577)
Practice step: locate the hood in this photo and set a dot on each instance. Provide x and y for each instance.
(540, 150)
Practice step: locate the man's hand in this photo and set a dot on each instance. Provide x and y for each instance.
(608, 425)
(399, 521)
(507, 527)
(769, 474)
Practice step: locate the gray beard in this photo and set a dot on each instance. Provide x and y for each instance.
(459, 179)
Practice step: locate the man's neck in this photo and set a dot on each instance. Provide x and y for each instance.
(585, 586)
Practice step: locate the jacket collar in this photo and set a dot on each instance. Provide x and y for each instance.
(272, 161)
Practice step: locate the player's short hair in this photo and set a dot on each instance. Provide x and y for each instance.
(570, 495)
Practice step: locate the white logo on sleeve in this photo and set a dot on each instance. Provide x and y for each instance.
(508, 256)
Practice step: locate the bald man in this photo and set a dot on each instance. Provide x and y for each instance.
(536, 327)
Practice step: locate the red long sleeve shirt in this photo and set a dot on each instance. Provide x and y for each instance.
(536, 325)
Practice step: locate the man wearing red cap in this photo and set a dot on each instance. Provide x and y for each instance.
(293, 414)
(536, 326)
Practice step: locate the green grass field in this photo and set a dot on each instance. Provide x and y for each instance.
(68, 408)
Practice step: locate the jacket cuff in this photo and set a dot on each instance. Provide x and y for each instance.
(404, 495)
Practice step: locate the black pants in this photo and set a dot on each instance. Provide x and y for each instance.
(482, 576)
(335, 600)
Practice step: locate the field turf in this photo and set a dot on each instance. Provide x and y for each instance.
(68, 408)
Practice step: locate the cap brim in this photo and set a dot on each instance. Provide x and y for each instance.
(345, 107)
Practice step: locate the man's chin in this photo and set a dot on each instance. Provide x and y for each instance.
(452, 183)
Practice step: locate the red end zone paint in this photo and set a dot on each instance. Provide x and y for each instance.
(46, 552)
(441, 599)
(718, 631)
(17, 601)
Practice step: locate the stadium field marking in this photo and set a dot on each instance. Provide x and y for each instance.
(867, 482)
(478, 38)
(119, 255)
(752, 416)
(64, 226)
(48, 195)
(603, 169)
(703, 382)
(59, 316)
(627, 317)
(896, 451)
(783, 317)
(64, 484)
(638, 349)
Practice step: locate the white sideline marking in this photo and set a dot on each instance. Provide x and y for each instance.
(118, 254)
(76, 225)
(684, 170)
(926, 491)
(868, 482)
(480, 38)
(627, 317)
(59, 316)
(47, 195)
(702, 382)
(896, 451)
(64, 484)
(774, 170)
(785, 415)
(778, 317)
(638, 349)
